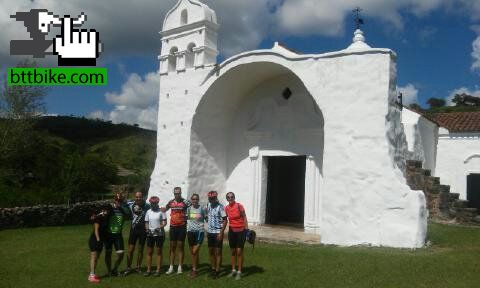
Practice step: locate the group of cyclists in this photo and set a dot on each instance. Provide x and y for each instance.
(187, 220)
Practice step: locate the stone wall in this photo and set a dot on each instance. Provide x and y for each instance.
(441, 203)
(48, 215)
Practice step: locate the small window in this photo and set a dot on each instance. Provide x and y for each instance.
(172, 59)
(287, 93)
(184, 17)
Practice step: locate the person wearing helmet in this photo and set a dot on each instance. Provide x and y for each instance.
(178, 228)
(155, 221)
(138, 208)
(196, 215)
(216, 227)
(120, 211)
(95, 243)
(236, 233)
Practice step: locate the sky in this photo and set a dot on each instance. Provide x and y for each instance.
(437, 43)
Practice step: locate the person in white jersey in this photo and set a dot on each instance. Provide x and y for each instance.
(155, 221)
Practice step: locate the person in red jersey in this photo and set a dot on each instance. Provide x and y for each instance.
(237, 221)
(178, 228)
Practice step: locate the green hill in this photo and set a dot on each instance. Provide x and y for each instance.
(125, 145)
(63, 158)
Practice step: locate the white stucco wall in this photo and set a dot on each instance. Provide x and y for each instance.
(458, 156)
(422, 138)
(178, 93)
(215, 125)
(362, 197)
(234, 119)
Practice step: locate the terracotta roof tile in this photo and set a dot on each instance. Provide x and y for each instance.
(457, 121)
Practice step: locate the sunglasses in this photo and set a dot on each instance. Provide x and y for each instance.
(230, 197)
(195, 199)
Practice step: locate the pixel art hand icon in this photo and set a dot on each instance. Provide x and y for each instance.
(76, 47)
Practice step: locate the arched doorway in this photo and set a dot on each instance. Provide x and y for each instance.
(253, 116)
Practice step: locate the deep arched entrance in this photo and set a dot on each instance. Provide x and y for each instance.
(250, 114)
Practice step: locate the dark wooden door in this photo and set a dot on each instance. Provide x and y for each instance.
(286, 190)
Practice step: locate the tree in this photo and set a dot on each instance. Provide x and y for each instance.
(86, 177)
(436, 102)
(22, 102)
(415, 107)
(19, 108)
(466, 100)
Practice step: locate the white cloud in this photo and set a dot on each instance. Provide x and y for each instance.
(136, 103)
(125, 27)
(325, 17)
(145, 118)
(476, 54)
(98, 114)
(461, 90)
(304, 17)
(410, 94)
(131, 27)
(471, 7)
(136, 91)
(243, 24)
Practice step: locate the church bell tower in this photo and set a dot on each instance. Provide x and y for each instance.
(189, 37)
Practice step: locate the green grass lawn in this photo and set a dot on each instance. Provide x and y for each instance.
(59, 257)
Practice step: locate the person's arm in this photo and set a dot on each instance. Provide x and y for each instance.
(96, 227)
(163, 223)
(224, 224)
(126, 210)
(243, 215)
(165, 209)
(205, 214)
(222, 230)
(244, 218)
(147, 218)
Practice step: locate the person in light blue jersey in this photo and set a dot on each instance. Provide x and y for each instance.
(196, 216)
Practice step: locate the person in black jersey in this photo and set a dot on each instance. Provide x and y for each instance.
(97, 238)
(138, 209)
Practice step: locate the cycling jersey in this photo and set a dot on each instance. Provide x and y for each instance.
(178, 212)
(235, 219)
(117, 218)
(138, 214)
(195, 218)
(216, 214)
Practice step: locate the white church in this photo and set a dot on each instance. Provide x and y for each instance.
(311, 140)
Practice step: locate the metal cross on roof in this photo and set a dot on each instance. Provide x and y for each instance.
(358, 20)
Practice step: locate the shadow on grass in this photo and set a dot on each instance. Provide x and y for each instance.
(204, 269)
(251, 270)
